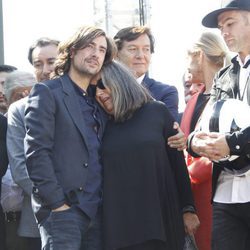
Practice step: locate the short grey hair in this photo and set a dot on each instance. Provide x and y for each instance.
(16, 79)
(127, 94)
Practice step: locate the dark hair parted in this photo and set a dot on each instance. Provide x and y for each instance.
(132, 33)
(7, 68)
(41, 42)
(126, 93)
(79, 40)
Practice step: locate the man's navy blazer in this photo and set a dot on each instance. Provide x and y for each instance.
(56, 146)
(164, 93)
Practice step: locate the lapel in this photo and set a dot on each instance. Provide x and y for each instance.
(248, 89)
(73, 106)
(104, 118)
(235, 77)
(146, 82)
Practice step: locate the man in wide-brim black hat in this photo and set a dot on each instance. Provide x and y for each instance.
(231, 178)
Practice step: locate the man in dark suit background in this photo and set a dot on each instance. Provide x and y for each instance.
(3, 168)
(135, 47)
(42, 55)
(64, 130)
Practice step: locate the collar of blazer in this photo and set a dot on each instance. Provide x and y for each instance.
(67, 84)
(73, 105)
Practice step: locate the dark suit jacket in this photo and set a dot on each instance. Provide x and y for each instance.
(3, 168)
(56, 146)
(164, 93)
(3, 149)
(146, 182)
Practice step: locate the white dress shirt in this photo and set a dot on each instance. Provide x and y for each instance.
(140, 79)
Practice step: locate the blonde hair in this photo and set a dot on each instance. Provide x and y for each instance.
(214, 47)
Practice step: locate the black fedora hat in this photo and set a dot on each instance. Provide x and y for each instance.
(211, 19)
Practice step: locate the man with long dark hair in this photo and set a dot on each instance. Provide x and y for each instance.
(64, 130)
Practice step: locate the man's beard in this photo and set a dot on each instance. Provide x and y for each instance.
(85, 70)
(3, 107)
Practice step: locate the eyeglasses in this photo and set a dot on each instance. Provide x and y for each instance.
(100, 85)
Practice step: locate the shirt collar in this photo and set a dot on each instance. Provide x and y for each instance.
(91, 90)
(140, 79)
(246, 62)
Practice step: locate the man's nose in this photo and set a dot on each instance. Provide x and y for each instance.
(96, 52)
(192, 89)
(139, 53)
(224, 32)
(47, 68)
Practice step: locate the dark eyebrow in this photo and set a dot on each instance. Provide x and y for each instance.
(227, 19)
(51, 58)
(103, 47)
(144, 46)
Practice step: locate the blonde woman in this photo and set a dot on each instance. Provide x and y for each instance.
(206, 57)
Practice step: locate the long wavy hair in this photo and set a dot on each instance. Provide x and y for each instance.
(79, 40)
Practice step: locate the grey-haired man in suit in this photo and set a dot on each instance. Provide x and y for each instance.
(41, 54)
(16, 84)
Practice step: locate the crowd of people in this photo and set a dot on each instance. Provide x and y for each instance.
(95, 155)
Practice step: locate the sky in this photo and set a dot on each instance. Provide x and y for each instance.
(175, 24)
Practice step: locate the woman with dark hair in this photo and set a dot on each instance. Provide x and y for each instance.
(148, 202)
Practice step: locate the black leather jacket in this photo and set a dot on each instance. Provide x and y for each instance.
(226, 86)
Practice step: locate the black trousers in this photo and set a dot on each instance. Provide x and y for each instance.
(15, 242)
(32, 243)
(231, 226)
(148, 245)
(2, 229)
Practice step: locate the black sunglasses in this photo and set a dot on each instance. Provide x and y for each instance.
(100, 85)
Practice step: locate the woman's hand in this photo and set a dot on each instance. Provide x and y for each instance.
(179, 140)
(191, 222)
